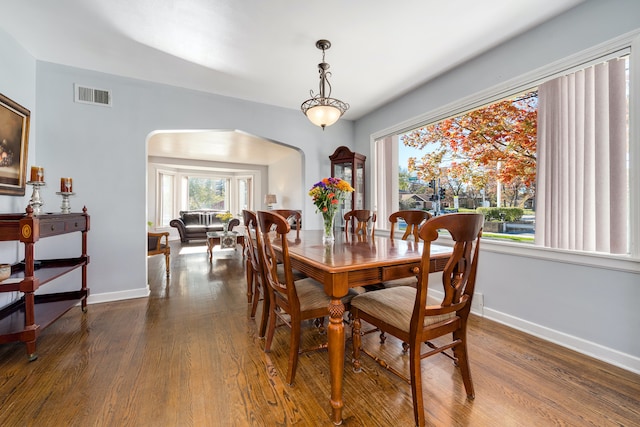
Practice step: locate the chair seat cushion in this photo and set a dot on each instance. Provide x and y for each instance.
(394, 306)
(312, 296)
(405, 281)
(297, 275)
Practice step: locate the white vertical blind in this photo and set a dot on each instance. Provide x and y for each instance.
(582, 189)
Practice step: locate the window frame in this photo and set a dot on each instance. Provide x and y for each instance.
(159, 197)
(629, 43)
(185, 177)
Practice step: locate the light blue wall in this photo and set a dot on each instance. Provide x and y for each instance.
(17, 82)
(582, 307)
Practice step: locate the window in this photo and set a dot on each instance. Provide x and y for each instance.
(207, 192)
(245, 193)
(551, 162)
(481, 158)
(166, 197)
(180, 190)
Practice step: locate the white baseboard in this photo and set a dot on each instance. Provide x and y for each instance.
(597, 351)
(120, 295)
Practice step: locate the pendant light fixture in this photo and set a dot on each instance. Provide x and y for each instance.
(321, 109)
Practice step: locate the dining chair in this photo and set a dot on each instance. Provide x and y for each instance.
(292, 301)
(293, 216)
(403, 311)
(361, 218)
(158, 243)
(254, 271)
(256, 285)
(413, 219)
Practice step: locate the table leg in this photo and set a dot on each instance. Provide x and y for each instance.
(210, 249)
(336, 349)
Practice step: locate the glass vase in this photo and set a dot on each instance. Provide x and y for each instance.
(225, 227)
(327, 227)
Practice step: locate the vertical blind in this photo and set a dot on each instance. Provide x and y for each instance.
(582, 188)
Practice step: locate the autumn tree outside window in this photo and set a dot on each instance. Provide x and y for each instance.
(479, 151)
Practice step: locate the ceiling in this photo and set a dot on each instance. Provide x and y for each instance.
(264, 51)
(225, 146)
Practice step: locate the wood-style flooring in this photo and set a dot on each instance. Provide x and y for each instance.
(189, 356)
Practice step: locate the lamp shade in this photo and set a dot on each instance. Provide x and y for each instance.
(323, 115)
(270, 199)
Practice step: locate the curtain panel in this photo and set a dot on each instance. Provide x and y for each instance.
(582, 185)
(386, 183)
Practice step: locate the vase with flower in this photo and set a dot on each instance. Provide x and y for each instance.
(225, 217)
(327, 195)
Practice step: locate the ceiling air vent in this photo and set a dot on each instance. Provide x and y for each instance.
(91, 95)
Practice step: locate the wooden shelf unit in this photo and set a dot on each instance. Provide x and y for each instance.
(23, 319)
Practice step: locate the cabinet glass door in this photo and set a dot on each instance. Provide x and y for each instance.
(359, 187)
(343, 171)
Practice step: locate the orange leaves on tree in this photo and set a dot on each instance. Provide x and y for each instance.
(475, 143)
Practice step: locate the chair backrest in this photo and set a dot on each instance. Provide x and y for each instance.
(459, 275)
(413, 218)
(273, 226)
(293, 216)
(361, 217)
(251, 249)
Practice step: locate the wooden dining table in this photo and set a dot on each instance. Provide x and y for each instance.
(350, 262)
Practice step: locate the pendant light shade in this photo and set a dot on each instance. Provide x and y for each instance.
(323, 115)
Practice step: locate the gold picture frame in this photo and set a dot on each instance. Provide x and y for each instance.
(14, 143)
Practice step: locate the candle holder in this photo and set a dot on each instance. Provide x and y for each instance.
(66, 206)
(36, 202)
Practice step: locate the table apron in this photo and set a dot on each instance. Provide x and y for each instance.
(366, 276)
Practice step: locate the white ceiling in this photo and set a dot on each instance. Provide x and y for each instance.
(264, 51)
(227, 146)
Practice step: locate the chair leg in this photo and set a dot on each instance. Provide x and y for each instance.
(250, 274)
(294, 349)
(460, 353)
(271, 328)
(167, 263)
(266, 309)
(356, 337)
(416, 383)
(256, 297)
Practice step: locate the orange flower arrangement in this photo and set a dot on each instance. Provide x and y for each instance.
(327, 195)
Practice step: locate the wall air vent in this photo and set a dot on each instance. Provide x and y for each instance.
(91, 95)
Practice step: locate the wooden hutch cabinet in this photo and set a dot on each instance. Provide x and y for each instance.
(23, 319)
(349, 166)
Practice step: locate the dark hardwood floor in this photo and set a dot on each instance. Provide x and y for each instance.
(189, 356)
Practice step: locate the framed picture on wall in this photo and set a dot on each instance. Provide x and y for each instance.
(14, 140)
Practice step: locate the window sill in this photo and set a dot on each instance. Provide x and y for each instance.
(589, 259)
(612, 262)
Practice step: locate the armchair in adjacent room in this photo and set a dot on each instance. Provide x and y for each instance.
(158, 243)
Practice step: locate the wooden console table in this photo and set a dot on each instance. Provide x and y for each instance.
(23, 319)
